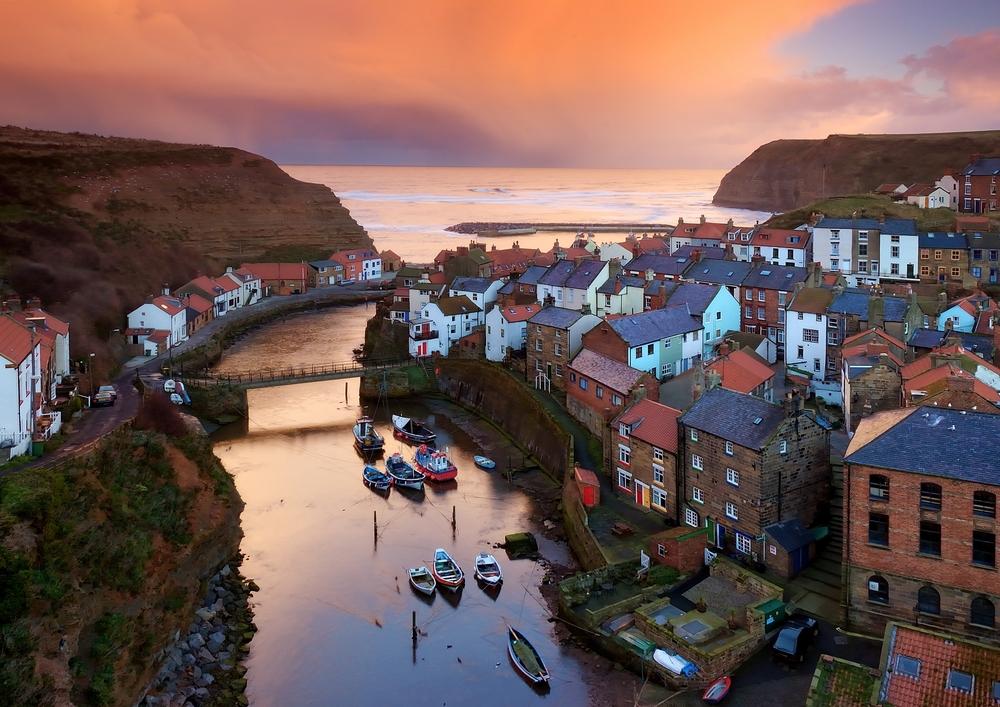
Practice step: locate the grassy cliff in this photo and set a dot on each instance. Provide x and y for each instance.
(93, 224)
(788, 174)
(867, 206)
(101, 559)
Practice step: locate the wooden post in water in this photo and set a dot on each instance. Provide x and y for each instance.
(413, 628)
(375, 526)
(453, 521)
(345, 391)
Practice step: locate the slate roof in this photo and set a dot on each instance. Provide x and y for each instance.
(938, 442)
(639, 329)
(978, 240)
(318, 264)
(557, 273)
(979, 344)
(856, 301)
(471, 284)
(943, 240)
(652, 422)
(710, 252)
(775, 277)
(695, 295)
(731, 416)
(790, 534)
(557, 317)
(892, 226)
(984, 167)
(606, 371)
(663, 288)
(608, 288)
(659, 264)
(454, 306)
(719, 272)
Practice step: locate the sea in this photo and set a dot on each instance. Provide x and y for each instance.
(406, 209)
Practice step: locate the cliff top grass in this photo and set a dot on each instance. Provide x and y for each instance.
(867, 206)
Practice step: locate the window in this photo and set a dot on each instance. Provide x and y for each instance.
(696, 462)
(749, 295)
(961, 681)
(637, 352)
(624, 454)
(559, 372)
(983, 548)
(930, 497)
(538, 344)
(982, 612)
(937, 254)
(862, 266)
(878, 487)
(956, 254)
(783, 447)
(878, 529)
(649, 349)
(558, 349)
(910, 667)
(894, 251)
(930, 538)
(984, 504)
(878, 589)
(660, 550)
(893, 268)
(816, 366)
(743, 543)
(928, 601)
(977, 272)
(800, 315)
(697, 495)
(781, 316)
(800, 351)
(658, 497)
(616, 399)
(691, 517)
(863, 249)
(694, 435)
(810, 335)
(834, 263)
(761, 313)
(862, 236)
(977, 254)
(729, 448)
(624, 479)
(761, 295)
(894, 239)
(781, 298)
(657, 473)
(599, 392)
(748, 311)
(733, 477)
(657, 454)
(623, 429)
(731, 510)
(583, 383)
(956, 272)
(925, 270)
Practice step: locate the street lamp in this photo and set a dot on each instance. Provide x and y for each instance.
(90, 367)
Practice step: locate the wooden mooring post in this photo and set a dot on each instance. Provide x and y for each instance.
(375, 526)
(413, 628)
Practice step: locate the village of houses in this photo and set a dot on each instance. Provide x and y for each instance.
(816, 409)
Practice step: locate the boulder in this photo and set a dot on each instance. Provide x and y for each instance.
(196, 641)
(205, 680)
(205, 614)
(205, 656)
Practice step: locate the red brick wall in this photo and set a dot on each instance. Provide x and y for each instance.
(684, 549)
(770, 305)
(980, 190)
(606, 341)
(952, 574)
(641, 468)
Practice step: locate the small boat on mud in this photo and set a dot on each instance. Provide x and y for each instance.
(435, 464)
(366, 438)
(675, 663)
(488, 570)
(526, 658)
(484, 463)
(422, 580)
(412, 431)
(717, 691)
(447, 572)
(402, 473)
(375, 479)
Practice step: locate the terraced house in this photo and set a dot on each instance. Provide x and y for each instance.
(921, 489)
(944, 258)
(643, 444)
(747, 464)
(661, 342)
(866, 250)
(572, 285)
(984, 257)
(767, 290)
(554, 336)
(719, 311)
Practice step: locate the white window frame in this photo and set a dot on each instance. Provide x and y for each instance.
(624, 454)
(657, 454)
(697, 463)
(732, 477)
(783, 447)
(625, 480)
(729, 448)
(732, 512)
(697, 495)
(694, 435)
(658, 494)
(744, 543)
(657, 474)
(691, 517)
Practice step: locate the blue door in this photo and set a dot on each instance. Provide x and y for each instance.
(720, 535)
(800, 558)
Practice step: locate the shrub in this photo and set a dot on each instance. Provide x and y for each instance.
(160, 415)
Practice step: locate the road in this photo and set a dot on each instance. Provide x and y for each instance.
(97, 422)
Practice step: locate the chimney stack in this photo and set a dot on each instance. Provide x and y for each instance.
(165, 289)
(680, 220)
(702, 219)
(724, 349)
(13, 304)
(33, 303)
(696, 255)
(729, 223)
(960, 383)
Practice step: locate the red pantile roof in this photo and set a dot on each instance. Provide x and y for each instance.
(51, 321)
(938, 654)
(437, 278)
(204, 283)
(610, 373)
(879, 333)
(741, 371)
(926, 362)
(830, 278)
(652, 244)
(278, 271)
(170, 305)
(508, 260)
(887, 188)
(139, 331)
(227, 283)
(871, 349)
(919, 190)
(653, 423)
(941, 378)
(159, 336)
(781, 238)
(520, 312)
(707, 230)
(198, 303)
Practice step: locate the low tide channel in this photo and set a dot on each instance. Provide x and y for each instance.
(334, 606)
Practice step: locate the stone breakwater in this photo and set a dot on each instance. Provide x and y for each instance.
(204, 667)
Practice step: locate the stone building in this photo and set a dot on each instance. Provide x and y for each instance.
(600, 387)
(747, 463)
(643, 451)
(920, 489)
(944, 258)
(870, 376)
(554, 337)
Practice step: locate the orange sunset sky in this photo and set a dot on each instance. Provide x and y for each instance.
(544, 82)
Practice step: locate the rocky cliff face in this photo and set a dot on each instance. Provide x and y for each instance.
(92, 224)
(786, 174)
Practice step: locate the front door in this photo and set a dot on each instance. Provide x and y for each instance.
(941, 274)
(720, 535)
(641, 494)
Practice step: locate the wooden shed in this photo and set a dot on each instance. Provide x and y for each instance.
(588, 485)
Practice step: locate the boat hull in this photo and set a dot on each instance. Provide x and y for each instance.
(376, 480)
(488, 570)
(484, 463)
(446, 571)
(413, 432)
(717, 691)
(539, 677)
(426, 466)
(403, 475)
(423, 582)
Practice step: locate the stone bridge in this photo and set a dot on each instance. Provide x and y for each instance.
(266, 377)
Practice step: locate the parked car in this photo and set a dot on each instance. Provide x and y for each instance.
(106, 395)
(169, 385)
(794, 639)
(176, 399)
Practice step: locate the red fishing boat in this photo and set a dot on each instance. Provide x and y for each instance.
(434, 464)
(717, 691)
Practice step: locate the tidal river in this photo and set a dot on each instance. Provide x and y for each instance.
(334, 606)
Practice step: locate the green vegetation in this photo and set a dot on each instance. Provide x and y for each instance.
(293, 254)
(112, 635)
(867, 206)
(841, 682)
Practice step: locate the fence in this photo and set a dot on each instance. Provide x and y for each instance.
(269, 375)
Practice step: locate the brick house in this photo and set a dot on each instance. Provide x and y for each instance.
(950, 386)
(682, 548)
(554, 336)
(977, 185)
(747, 464)
(767, 290)
(790, 547)
(359, 264)
(280, 278)
(944, 258)
(743, 371)
(643, 447)
(984, 256)
(663, 342)
(920, 488)
(599, 387)
(871, 374)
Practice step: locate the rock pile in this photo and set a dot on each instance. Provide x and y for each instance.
(204, 666)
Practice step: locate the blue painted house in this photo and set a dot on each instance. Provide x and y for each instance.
(718, 309)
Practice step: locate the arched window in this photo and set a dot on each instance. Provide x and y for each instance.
(984, 504)
(878, 589)
(982, 612)
(928, 600)
(878, 487)
(930, 497)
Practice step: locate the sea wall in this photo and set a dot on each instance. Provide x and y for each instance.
(585, 546)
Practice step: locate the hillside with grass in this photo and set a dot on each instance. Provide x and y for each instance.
(788, 174)
(92, 224)
(102, 559)
(866, 206)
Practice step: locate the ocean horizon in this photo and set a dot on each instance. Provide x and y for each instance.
(407, 209)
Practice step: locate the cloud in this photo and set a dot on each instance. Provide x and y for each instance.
(565, 82)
